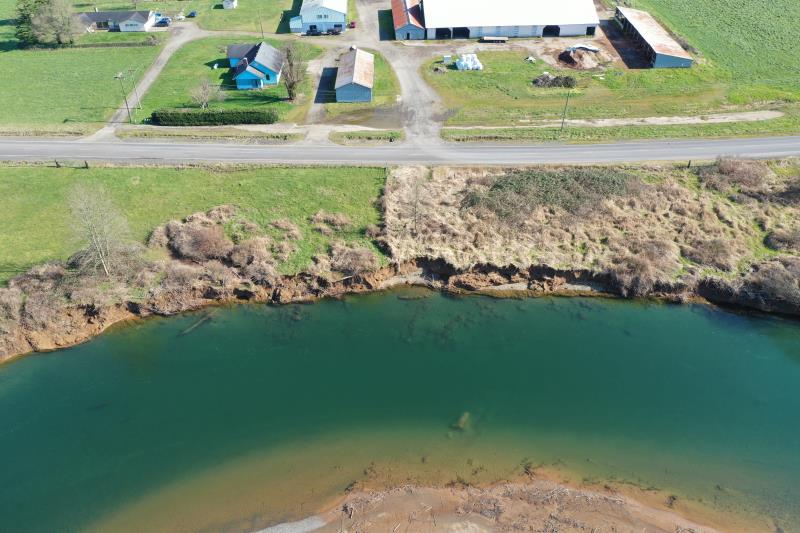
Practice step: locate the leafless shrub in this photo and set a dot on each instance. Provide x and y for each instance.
(41, 309)
(180, 276)
(250, 251)
(290, 229)
(200, 243)
(90, 292)
(10, 308)
(158, 238)
(206, 93)
(716, 253)
(649, 262)
(42, 278)
(337, 221)
(324, 229)
(218, 273)
(748, 175)
(352, 260)
(261, 273)
(778, 280)
(784, 240)
(373, 232)
(283, 250)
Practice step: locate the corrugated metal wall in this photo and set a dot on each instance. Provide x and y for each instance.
(353, 93)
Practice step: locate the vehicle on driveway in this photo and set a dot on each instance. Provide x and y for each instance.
(180, 16)
(334, 32)
(192, 14)
(164, 23)
(352, 24)
(313, 33)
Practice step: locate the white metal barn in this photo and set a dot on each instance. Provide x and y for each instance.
(469, 19)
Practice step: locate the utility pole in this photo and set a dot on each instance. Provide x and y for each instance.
(564, 114)
(135, 89)
(125, 96)
(261, 23)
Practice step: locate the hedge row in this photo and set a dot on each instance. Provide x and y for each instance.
(213, 117)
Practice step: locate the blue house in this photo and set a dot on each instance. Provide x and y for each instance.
(355, 77)
(321, 16)
(255, 66)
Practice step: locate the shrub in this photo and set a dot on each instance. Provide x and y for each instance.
(648, 263)
(289, 228)
(784, 240)
(337, 221)
(352, 261)
(714, 253)
(10, 308)
(516, 194)
(748, 175)
(251, 251)
(778, 281)
(40, 309)
(213, 117)
(200, 243)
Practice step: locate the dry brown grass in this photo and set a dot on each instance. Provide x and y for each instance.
(662, 229)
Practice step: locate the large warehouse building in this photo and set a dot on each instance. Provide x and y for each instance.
(471, 19)
(662, 50)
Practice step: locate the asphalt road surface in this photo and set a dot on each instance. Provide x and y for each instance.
(400, 153)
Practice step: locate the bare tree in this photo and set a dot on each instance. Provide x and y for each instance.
(54, 23)
(207, 92)
(294, 69)
(102, 229)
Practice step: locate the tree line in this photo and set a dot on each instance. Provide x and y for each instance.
(46, 22)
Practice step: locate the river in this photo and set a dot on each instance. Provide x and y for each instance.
(236, 418)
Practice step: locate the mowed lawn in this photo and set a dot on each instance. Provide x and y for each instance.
(66, 90)
(249, 16)
(503, 93)
(385, 91)
(195, 61)
(36, 220)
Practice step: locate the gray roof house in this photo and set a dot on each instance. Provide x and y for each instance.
(255, 65)
(117, 20)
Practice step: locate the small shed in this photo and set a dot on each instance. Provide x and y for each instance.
(662, 50)
(408, 20)
(356, 77)
(230, 4)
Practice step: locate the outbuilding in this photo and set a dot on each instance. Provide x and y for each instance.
(408, 20)
(117, 20)
(230, 4)
(471, 19)
(356, 76)
(320, 16)
(661, 49)
(255, 66)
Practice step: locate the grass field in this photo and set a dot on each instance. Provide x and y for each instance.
(36, 221)
(195, 60)
(62, 91)
(366, 137)
(384, 92)
(754, 41)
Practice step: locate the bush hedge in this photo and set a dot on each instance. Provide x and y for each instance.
(213, 117)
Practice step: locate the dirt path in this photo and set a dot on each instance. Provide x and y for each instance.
(714, 118)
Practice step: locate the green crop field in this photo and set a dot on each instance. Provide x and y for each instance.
(384, 93)
(36, 219)
(196, 60)
(69, 90)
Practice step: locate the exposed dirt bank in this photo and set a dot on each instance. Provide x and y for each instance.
(538, 503)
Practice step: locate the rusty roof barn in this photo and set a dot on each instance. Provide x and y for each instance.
(355, 77)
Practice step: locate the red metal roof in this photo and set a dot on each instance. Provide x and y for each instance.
(405, 12)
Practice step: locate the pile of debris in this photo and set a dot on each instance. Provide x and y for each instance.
(469, 62)
(547, 80)
(584, 57)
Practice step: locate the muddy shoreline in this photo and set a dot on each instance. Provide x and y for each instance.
(77, 324)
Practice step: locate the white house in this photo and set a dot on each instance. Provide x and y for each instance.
(117, 20)
(320, 15)
(230, 4)
(470, 19)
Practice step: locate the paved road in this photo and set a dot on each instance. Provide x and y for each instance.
(401, 153)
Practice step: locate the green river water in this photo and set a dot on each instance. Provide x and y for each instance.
(263, 413)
